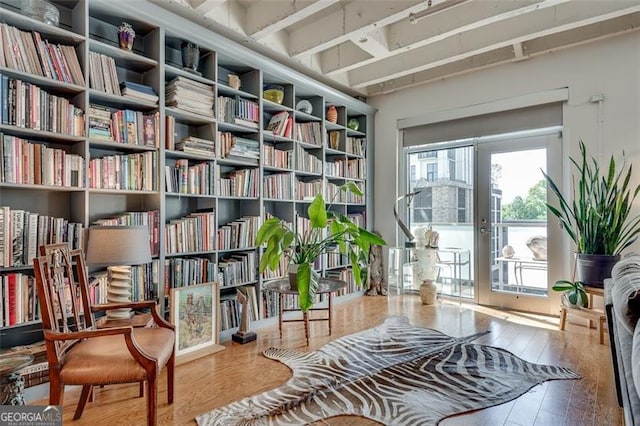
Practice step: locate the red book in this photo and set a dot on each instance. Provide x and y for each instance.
(12, 289)
(287, 130)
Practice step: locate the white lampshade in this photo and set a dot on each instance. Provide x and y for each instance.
(118, 245)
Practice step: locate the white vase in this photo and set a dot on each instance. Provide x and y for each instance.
(425, 266)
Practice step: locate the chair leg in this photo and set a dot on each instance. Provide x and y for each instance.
(84, 396)
(141, 389)
(563, 317)
(152, 399)
(56, 391)
(170, 375)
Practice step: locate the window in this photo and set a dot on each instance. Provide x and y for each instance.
(462, 205)
(432, 172)
(428, 154)
(413, 173)
(422, 206)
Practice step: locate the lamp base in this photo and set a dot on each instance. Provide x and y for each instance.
(119, 291)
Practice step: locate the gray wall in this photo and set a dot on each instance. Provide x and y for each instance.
(610, 67)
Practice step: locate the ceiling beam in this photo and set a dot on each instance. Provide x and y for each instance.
(351, 21)
(375, 43)
(204, 6)
(267, 18)
(537, 24)
(403, 36)
(228, 13)
(531, 48)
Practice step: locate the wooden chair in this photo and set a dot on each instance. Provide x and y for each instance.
(80, 354)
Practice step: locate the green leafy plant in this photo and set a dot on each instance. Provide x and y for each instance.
(327, 230)
(576, 295)
(598, 219)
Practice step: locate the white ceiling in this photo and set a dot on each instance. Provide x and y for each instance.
(370, 47)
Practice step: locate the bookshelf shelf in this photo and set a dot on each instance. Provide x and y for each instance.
(223, 89)
(54, 86)
(123, 58)
(189, 117)
(171, 71)
(15, 18)
(25, 132)
(235, 152)
(116, 101)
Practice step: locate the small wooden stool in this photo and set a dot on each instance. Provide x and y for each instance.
(588, 313)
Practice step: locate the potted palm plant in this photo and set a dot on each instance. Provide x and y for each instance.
(327, 230)
(598, 218)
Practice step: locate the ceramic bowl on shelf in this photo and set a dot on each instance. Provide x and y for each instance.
(353, 124)
(304, 106)
(273, 93)
(41, 10)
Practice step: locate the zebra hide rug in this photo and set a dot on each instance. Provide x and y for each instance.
(395, 374)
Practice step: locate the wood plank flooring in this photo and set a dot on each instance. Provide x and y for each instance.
(241, 370)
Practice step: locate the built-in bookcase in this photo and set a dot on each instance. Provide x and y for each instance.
(190, 153)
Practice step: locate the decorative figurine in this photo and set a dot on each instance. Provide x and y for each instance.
(126, 35)
(243, 335)
(190, 57)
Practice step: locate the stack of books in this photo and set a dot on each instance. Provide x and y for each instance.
(236, 148)
(190, 96)
(137, 91)
(100, 122)
(195, 145)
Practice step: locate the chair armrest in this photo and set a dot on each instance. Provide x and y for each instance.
(150, 304)
(86, 334)
(133, 305)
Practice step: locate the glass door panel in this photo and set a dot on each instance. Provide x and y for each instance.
(444, 203)
(513, 233)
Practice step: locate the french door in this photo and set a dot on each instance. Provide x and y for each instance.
(517, 251)
(486, 197)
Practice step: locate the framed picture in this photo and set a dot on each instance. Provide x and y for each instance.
(194, 312)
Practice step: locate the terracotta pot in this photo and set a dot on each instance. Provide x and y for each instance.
(428, 292)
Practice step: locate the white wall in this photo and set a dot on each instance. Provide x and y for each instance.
(610, 67)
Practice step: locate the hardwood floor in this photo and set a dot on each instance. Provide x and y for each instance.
(241, 370)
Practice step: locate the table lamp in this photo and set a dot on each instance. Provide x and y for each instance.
(118, 247)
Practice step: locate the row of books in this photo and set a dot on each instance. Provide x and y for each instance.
(231, 311)
(238, 183)
(25, 162)
(26, 105)
(196, 179)
(310, 132)
(237, 268)
(346, 275)
(240, 233)
(307, 190)
(150, 219)
(238, 111)
(334, 193)
(22, 232)
(280, 124)
(185, 271)
(355, 168)
(191, 234)
(290, 301)
(28, 52)
(333, 258)
(124, 126)
(278, 186)
(356, 146)
(234, 147)
(134, 172)
(102, 73)
(190, 96)
(280, 272)
(18, 299)
(274, 157)
(307, 162)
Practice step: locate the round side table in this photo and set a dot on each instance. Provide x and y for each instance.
(11, 382)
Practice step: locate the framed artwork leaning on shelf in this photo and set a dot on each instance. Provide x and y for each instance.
(194, 312)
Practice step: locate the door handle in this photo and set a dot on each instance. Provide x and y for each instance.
(484, 230)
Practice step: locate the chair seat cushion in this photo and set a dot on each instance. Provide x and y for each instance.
(106, 359)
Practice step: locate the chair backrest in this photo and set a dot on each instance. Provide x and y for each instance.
(61, 278)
